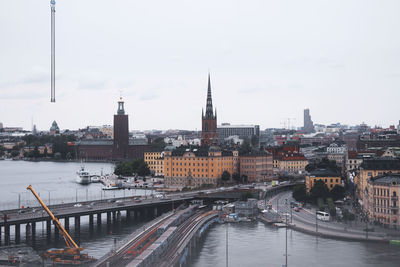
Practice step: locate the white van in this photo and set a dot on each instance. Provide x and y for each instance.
(323, 216)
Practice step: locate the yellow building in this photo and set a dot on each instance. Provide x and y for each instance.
(371, 168)
(330, 178)
(155, 161)
(291, 163)
(193, 167)
(382, 204)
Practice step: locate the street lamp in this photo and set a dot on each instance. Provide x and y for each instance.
(19, 198)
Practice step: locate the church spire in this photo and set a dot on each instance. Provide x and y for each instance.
(209, 106)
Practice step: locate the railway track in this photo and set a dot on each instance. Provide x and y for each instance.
(121, 257)
(184, 231)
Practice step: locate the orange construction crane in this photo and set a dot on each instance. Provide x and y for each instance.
(69, 255)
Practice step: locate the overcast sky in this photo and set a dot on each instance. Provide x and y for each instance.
(268, 61)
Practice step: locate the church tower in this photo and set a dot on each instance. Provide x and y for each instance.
(121, 132)
(209, 135)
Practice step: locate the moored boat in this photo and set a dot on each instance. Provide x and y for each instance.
(83, 177)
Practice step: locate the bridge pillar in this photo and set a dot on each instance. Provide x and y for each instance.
(56, 233)
(66, 223)
(0, 234)
(77, 225)
(7, 234)
(135, 214)
(108, 217)
(91, 220)
(114, 215)
(28, 230)
(155, 212)
(48, 229)
(17, 233)
(33, 233)
(99, 219)
(128, 215)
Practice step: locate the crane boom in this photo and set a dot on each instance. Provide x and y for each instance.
(68, 239)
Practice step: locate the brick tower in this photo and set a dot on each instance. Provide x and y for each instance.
(121, 132)
(209, 135)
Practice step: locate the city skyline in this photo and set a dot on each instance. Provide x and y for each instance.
(341, 66)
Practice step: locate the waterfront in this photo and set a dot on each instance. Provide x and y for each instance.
(256, 244)
(54, 181)
(250, 244)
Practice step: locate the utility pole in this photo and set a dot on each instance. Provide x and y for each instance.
(286, 236)
(316, 223)
(226, 244)
(53, 49)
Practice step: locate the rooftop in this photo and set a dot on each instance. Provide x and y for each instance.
(323, 173)
(390, 178)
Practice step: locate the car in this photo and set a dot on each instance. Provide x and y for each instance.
(110, 200)
(296, 209)
(119, 202)
(78, 205)
(21, 211)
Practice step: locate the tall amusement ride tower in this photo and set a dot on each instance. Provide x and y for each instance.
(53, 50)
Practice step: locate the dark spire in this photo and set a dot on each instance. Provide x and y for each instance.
(209, 106)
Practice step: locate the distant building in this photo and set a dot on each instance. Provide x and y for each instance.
(155, 161)
(371, 168)
(382, 201)
(330, 178)
(1, 125)
(257, 166)
(398, 128)
(119, 148)
(290, 163)
(308, 123)
(209, 134)
(54, 129)
(226, 130)
(337, 152)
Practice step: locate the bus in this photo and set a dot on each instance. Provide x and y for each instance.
(323, 216)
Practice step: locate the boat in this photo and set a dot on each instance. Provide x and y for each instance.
(95, 178)
(109, 187)
(83, 177)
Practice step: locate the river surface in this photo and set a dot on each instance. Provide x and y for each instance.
(249, 243)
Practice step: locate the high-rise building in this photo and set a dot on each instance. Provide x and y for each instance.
(308, 123)
(121, 132)
(209, 134)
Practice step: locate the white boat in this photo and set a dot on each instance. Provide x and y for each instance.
(83, 177)
(109, 187)
(95, 178)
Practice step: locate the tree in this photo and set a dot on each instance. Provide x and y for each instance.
(319, 190)
(124, 169)
(245, 147)
(244, 178)
(236, 177)
(337, 192)
(225, 176)
(14, 153)
(36, 152)
(158, 143)
(300, 193)
(143, 169)
(45, 152)
(331, 207)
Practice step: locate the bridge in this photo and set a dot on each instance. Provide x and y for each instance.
(113, 209)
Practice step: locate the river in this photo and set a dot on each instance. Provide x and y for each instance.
(249, 243)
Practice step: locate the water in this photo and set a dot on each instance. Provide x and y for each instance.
(256, 244)
(55, 182)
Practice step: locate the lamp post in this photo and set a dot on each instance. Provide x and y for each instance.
(49, 191)
(19, 198)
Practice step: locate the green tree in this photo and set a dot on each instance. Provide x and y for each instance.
(331, 207)
(36, 153)
(244, 178)
(158, 143)
(124, 169)
(300, 193)
(45, 152)
(337, 192)
(245, 147)
(321, 203)
(319, 190)
(225, 176)
(14, 153)
(143, 169)
(236, 177)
